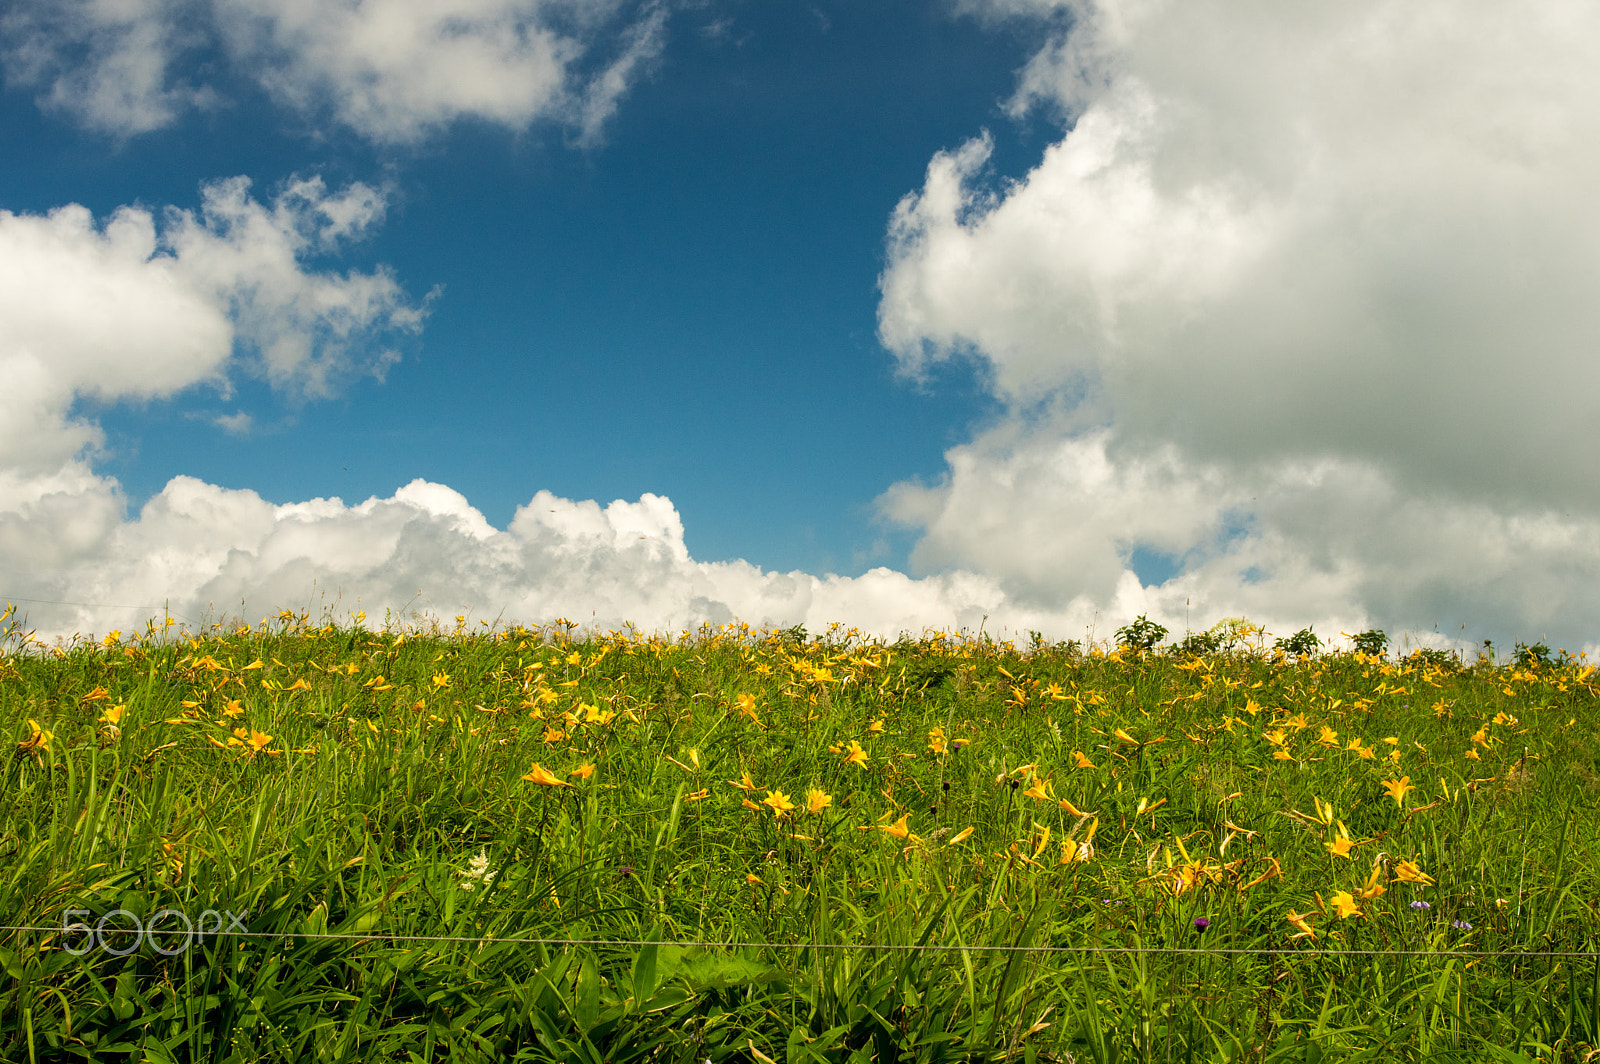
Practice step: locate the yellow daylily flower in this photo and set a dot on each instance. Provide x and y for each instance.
(1083, 762)
(583, 771)
(1342, 845)
(1302, 922)
(961, 836)
(856, 755)
(38, 739)
(1408, 872)
(898, 829)
(1344, 905)
(1397, 789)
(544, 777)
(817, 800)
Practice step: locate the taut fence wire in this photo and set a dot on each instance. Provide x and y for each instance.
(483, 940)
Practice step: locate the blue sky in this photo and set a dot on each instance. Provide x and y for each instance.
(1049, 312)
(687, 306)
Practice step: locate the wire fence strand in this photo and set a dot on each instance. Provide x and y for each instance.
(63, 602)
(482, 940)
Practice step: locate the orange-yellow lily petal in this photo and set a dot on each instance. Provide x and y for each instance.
(544, 777)
(1344, 905)
(1039, 790)
(1408, 872)
(1397, 789)
(898, 829)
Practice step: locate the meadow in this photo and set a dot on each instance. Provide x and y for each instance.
(480, 844)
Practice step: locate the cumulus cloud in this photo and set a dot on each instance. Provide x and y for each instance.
(104, 61)
(1306, 295)
(391, 70)
(135, 307)
(1053, 517)
(204, 553)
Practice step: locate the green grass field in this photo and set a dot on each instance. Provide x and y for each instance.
(1241, 855)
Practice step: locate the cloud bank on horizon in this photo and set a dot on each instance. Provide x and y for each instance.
(1300, 303)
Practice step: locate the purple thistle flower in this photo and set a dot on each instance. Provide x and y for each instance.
(1200, 924)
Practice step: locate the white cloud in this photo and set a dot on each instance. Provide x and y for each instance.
(238, 423)
(135, 308)
(206, 552)
(105, 61)
(1316, 281)
(1052, 518)
(391, 70)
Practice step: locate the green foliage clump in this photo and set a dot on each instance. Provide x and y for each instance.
(1303, 644)
(1372, 642)
(1141, 634)
(1532, 655)
(1435, 658)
